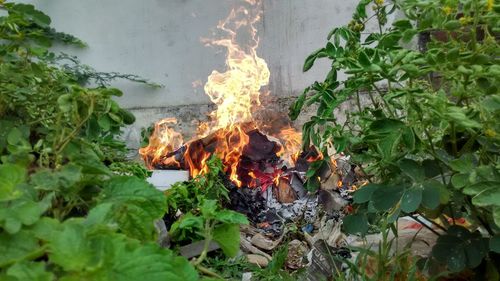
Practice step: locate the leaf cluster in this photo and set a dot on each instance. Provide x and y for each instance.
(423, 125)
(71, 206)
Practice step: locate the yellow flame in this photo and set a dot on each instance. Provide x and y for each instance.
(236, 90)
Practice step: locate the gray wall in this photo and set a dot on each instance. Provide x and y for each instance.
(160, 40)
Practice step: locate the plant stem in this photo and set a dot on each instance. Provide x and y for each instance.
(208, 272)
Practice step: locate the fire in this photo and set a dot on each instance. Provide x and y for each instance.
(236, 94)
(162, 142)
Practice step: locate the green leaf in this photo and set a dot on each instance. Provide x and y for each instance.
(18, 246)
(452, 25)
(99, 255)
(355, 224)
(387, 197)
(310, 60)
(228, 238)
(208, 208)
(228, 216)
(10, 176)
(411, 199)
(69, 247)
(433, 194)
(364, 60)
(459, 180)
(460, 248)
(488, 197)
(496, 215)
(412, 169)
(22, 212)
(33, 271)
(364, 193)
(479, 187)
(386, 126)
(495, 244)
(464, 164)
(458, 115)
(136, 204)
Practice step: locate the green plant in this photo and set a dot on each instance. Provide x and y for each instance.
(201, 201)
(70, 207)
(427, 135)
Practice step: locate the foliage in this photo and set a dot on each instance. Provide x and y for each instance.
(424, 128)
(203, 217)
(71, 206)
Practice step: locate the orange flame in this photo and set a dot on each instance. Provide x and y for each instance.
(236, 93)
(163, 141)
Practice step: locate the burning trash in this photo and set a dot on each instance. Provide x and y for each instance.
(263, 161)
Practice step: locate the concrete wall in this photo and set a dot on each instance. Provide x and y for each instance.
(160, 40)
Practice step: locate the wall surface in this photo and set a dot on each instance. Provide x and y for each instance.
(160, 40)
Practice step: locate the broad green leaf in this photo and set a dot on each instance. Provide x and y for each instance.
(412, 169)
(464, 164)
(411, 199)
(459, 180)
(10, 176)
(136, 204)
(18, 246)
(386, 126)
(386, 197)
(488, 197)
(208, 208)
(364, 193)
(460, 248)
(432, 194)
(228, 216)
(22, 212)
(474, 189)
(70, 248)
(228, 238)
(355, 224)
(33, 271)
(102, 256)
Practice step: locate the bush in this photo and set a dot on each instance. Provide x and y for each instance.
(71, 206)
(428, 139)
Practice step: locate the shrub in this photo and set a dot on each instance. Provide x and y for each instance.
(428, 138)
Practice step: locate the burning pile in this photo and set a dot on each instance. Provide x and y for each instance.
(262, 159)
(250, 158)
